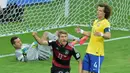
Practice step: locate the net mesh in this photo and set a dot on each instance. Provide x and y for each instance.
(22, 16)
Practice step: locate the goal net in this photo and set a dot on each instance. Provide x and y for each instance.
(23, 16)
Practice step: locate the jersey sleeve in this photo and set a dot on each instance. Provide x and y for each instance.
(20, 56)
(107, 27)
(51, 42)
(33, 45)
(25, 48)
(76, 54)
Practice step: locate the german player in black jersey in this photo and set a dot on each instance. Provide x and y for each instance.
(62, 52)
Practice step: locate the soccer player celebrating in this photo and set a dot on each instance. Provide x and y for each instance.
(62, 52)
(74, 40)
(27, 52)
(54, 36)
(100, 30)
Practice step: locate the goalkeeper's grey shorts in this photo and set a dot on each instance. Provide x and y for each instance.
(44, 52)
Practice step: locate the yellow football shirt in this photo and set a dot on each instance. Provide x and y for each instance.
(96, 43)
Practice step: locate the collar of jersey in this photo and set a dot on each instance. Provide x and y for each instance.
(100, 20)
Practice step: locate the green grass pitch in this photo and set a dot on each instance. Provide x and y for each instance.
(117, 53)
(117, 57)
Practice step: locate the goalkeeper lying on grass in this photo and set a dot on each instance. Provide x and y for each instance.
(34, 51)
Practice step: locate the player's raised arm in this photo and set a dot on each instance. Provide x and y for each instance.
(79, 30)
(44, 36)
(39, 40)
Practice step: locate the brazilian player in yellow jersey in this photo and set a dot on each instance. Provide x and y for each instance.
(100, 30)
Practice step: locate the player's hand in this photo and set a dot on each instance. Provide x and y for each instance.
(97, 33)
(77, 29)
(34, 33)
(57, 32)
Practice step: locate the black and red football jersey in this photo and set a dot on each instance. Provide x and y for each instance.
(62, 54)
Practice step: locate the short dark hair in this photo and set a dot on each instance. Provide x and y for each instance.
(62, 32)
(107, 9)
(12, 39)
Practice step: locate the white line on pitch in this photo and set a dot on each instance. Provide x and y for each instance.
(125, 37)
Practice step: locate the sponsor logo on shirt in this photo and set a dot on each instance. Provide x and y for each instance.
(98, 25)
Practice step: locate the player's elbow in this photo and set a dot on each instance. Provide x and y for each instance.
(107, 36)
(40, 42)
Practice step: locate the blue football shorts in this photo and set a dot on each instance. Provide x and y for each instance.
(92, 63)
